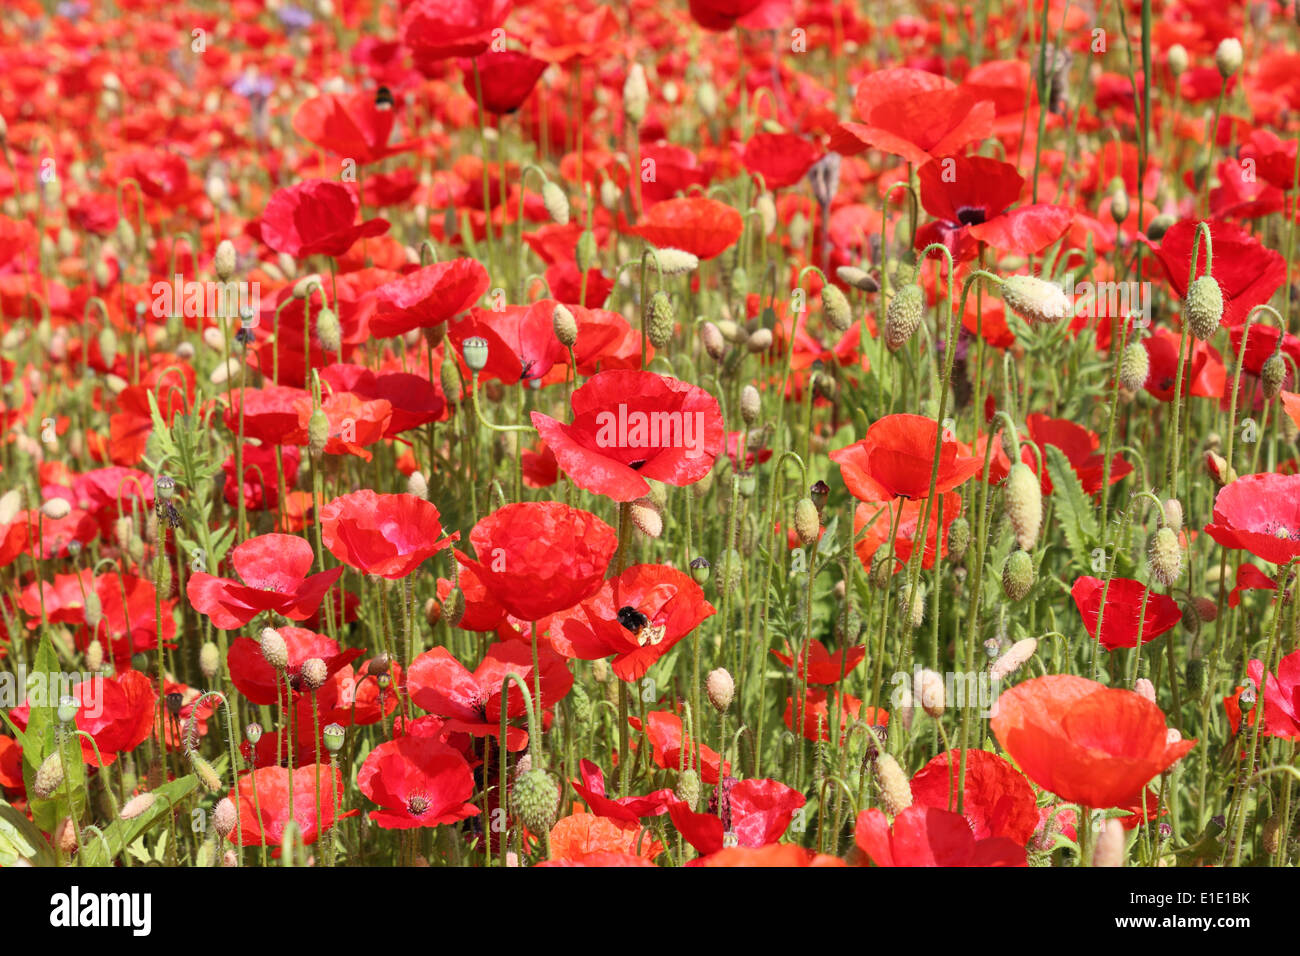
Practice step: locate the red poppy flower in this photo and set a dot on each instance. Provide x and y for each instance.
(584, 839)
(998, 801)
(315, 217)
(817, 708)
(419, 782)
(351, 125)
(896, 458)
(537, 558)
(471, 702)
(413, 399)
(929, 836)
(1203, 371)
(388, 535)
(703, 227)
(1087, 743)
(274, 569)
(632, 425)
(819, 666)
(264, 809)
(11, 765)
(428, 296)
(783, 855)
(506, 77)
(1080, 446)
(1281, 696)
(757, 812)
(970, 196)
(720, 15)
(440, 29)
(913, 114)
(1121, 624)
(521, 341)
(782, 159)
(1259, 514)
(255, 678)
(636, 617)
(672, 748)
(628, 810)
(118, 712)
(872, 522)
(1247, 271)
(354, 423)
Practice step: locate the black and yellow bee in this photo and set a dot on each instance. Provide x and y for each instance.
(647, 634)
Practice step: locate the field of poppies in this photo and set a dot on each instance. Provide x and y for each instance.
(649, 433)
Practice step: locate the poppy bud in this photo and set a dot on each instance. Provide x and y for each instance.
(1134, 366)
(328, 330)
(1035, 300)
(535, 798)
(1271, 834)
(449, 379)
(318, 432)
(225, 260)
(600, 671)
(207, 775)
(636, 95)
(903, 316)
(555, 203)
(302, 289)
(713, 342)
(209, 659)
(647, 518)
(700, 570)
(1119, 207)
(1219, 469)
(1017, 575)
(860, 279)
(417, 485)
(760, 341)
(67, 709)
(1197, 674)
(729, 577)
(56, 508)
(1165, 558)
(223, 817)
(314, 673)
(108, 344)
(720, 688)
(1176, 58)
(474, 350)
(1145, 688)
(1110, 845)
(930, 689)
(688, 788)
(95, 656)
(660, 320)
(138, 805)
(819, 492)
(333, 736)
(453, 606)
(807, 524)
(1228, 56)
(48, 776)
(911, 603)
(765, 205)
(676, 262)
(1158, 226)
(838, 313)
(66, 836)
(738, 283)
(1273, 375)
(751, 404)
(824, 178)
(1024, 504)
(892, 782)
(565, 326)
(125, 237)
(958, 539)
(1203, 307)
(1013, 659)
(585, 253)
(1172, 511)
(1206, 609)
(274, 650)
(706, 98)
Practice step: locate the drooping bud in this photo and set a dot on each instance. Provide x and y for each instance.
(766, 206)
(328, 330)
(660, 320)
(930, 690)
(751, 404)
(958, 539)
(417, 485)
(1134, 366)
(714, 344)
(318, 432)
(807, 524)
(676, 262)
(1203, 307)
(860, 279)
(209, 659)
(1228, 56)
(137, 805)
(49, 775)
(274, 649)
(449, 379)
(555, 203)
(585, 253)
(1197, 674)
(1013, 659)
(636, 95)
(838, 313)
(1035, 300)
(223, 817)
(720, 688)
(1017, 575)
(1024, 504)
(647, 517)
(688, 788)
(1176, 58)
(1165, 559)
(206, 773)
(903, 316)
(565, 326)
(453, 606)
(892, 782)
(1273, 375)
(1110, 844)
(535, 798)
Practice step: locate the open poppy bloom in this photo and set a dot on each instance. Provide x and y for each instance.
(255, 678)
(970, 196)
(118, 712)
(1122, 621)
(632, 425)
(781, 159)
(1081, 447)
(427, 297)
(1090, 744)
(506, 78)
(440, 29)
(1260, 514)
(537, 558)
(387, 535)
(896, 458)
(668, 738)
(352, 125)
(263, 817)
(998, 801)
(720, 15)
(757, 812)
(817, 708)
(872, 521)
(274, 570)
(315, 217)
(819, 666)
(929, 836)
(1281, 693)
(418, 782)
(627, 810)
(705, 228)
(636, 617)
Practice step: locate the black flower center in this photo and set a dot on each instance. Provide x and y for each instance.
(970, 216)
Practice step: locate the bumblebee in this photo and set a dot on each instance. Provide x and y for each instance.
(646, 634)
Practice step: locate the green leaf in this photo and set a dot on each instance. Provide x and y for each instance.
(20, 840)
(1074, 509)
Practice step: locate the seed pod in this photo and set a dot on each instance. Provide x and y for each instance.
(535, 798)
(807, 525)
(720, 688)
(1165, 558)
(1024, 504)
(892, 782)
(838, 313)
(903, 316)
(1203, 307)
(958, 539)
(1017, 575)
(1134, 366)
(1273, 375)
(1035, 300)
